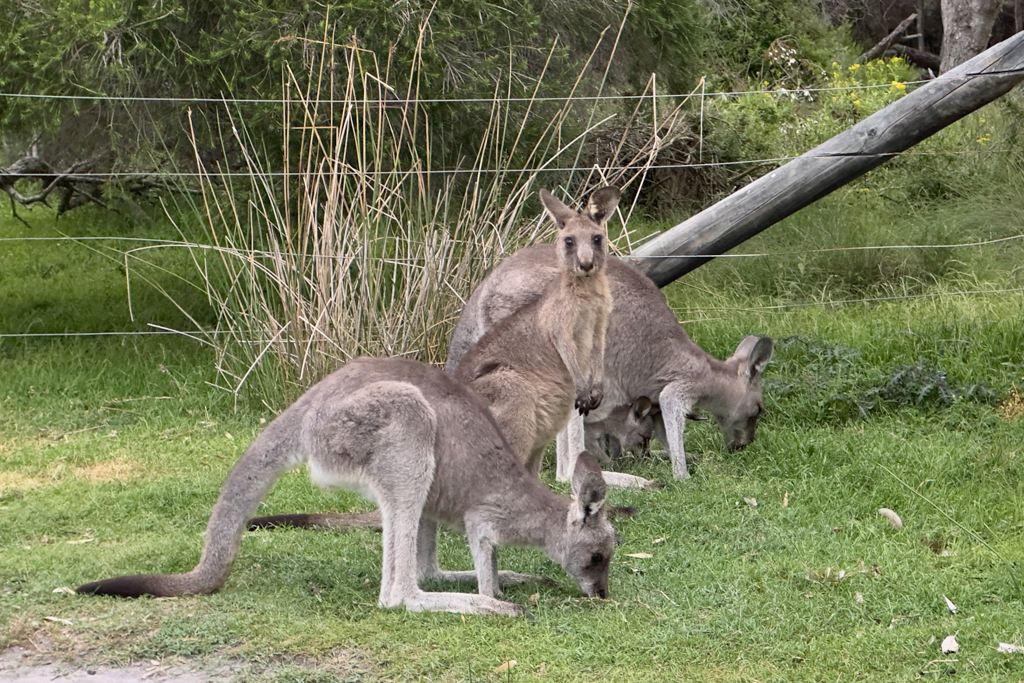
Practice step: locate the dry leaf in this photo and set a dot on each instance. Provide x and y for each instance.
(752, 502)
(228, 435)
(858, 596)
(80, 541)
(1009, 648)
(504, 666)
(534, 599)
(949, 604)
(640, 556)
(658, 540)
(64, 589)
(66, 622)
(785, 500)
(949, 645)
(892, 517)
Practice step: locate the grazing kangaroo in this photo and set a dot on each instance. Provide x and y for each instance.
(535, 364)
(647, 354)
(627, 428)
(428, 451)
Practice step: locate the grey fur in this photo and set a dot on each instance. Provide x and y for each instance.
(428, 451)
(536, 363)
(647, 354)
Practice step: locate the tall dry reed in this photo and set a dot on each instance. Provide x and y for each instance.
(358, 245)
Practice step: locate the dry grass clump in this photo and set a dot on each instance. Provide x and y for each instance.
(358, 245)
(1012, 406)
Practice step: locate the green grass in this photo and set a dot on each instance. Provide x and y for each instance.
(124, 444)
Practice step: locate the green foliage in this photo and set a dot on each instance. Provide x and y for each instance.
(782, 120)
(239, 50)
(746, 33)
(842, 384)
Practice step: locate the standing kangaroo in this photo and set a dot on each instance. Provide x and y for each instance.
(539, 362)
(428, 451)
(542, 359)
(647, 354)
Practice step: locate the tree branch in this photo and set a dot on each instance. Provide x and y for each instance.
(879, 49)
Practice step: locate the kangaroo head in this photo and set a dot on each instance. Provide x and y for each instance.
(589, 538)
(628, 428)
(740, 405)
(582, 236)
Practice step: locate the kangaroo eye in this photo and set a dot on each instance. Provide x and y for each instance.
(597, 240)
(596, 558)
(569, 241)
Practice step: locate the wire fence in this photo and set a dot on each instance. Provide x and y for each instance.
(454, 100)
(114, 245)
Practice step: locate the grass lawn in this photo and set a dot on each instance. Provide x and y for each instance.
(112, 451)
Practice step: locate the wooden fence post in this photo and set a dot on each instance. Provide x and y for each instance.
(834, 163)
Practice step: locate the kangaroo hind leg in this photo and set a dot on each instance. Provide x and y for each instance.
(398, 466)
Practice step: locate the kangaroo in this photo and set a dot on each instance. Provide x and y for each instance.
(648, 354)
(542, 359)
(428, 451)
(538, 362)
(627, 428)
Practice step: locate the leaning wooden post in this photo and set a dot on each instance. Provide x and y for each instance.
(834, 163)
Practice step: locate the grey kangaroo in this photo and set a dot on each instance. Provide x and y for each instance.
(428, 451)
(647, 354)
(541, 360)
(535, 364)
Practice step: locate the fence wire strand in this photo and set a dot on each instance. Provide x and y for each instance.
(201, 335)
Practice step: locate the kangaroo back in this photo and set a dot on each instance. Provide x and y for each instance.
(428, 451)
(640, 319)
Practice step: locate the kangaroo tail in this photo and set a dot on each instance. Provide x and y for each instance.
(340, 522)
(269, 456)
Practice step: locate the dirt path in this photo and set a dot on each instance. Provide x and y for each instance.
(18, 666)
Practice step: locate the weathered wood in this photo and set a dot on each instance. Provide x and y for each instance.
(834, 163)
(879, 49)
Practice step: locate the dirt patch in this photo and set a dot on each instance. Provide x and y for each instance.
(17, 666)
(120, 470)
(16, 481)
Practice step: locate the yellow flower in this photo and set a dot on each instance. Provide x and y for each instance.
(854, 67)
(856, 102)
(898, 85)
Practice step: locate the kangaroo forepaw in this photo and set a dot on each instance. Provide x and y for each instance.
(588, 399)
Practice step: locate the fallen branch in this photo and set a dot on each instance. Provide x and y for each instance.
(76, 188)
(879, 49)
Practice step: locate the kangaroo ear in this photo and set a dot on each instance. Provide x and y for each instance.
(759, 358)
(642, 407)
(561, 213)
(602, 203)
(742, 352)
(588, 487)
